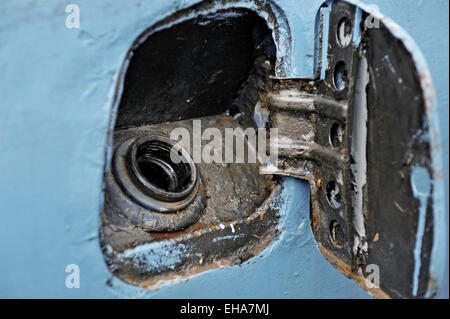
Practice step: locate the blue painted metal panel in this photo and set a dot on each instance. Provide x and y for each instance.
(57, 88)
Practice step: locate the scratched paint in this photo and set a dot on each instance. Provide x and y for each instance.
(388, 61)
(228, 237)
(155, 255)
(57, 90)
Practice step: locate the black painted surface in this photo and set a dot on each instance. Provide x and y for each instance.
(396, 114)
(192, 69)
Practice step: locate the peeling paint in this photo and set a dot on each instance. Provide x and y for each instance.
(156, 255)
(421, 185)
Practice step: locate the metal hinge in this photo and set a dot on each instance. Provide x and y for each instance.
(358, 132)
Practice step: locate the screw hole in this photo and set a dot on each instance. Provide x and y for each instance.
(334, 194)
(336, 135)
(336, 234)
(344, 32)
(340, 76)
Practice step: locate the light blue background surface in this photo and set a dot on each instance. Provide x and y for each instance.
(56, 90)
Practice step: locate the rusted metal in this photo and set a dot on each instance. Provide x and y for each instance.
(232, 212)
